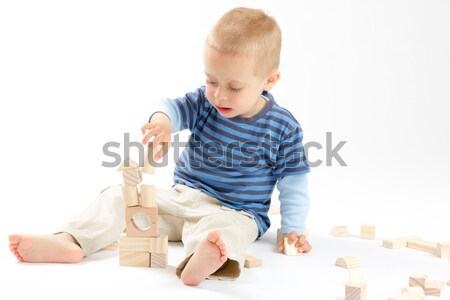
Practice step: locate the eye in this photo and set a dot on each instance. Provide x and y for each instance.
(235, 90)
(211, 82)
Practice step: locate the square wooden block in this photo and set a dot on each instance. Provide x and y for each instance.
(368, 231)
(158, 260)
(355, 291)
(134, 259)
(135, 216)
(443, 250)
(157, 244)
(434, 287)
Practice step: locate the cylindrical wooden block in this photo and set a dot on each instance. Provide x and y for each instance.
(130, 195)
(148, 195)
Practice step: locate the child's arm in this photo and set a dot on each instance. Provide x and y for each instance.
(295, 204)
(170, 116)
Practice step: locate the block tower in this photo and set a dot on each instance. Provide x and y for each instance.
(141, 245)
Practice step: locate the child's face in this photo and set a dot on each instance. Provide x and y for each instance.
(231, 85)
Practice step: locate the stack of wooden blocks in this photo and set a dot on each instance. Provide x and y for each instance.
(141, 245)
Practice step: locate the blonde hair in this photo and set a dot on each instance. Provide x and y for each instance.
(248, 32)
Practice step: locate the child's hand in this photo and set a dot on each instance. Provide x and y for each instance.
(159, 128)
(301, 243)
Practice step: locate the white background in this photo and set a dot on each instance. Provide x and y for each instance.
(76, 75)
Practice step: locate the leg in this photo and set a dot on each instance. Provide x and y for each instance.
(97, 226)
(211, 235)
(211, 254)
(59, 248)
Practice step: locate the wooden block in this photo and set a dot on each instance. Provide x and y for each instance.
(422, 245)
(157, 244)
(252, 262)
(130, 195)
(408, 296)
(127, 164)
(147, 195)
(135, 227)
(443, 250)
(417, 280)
(413, 293)
(400, 242)
(149, 161)
(290, 249)
(130, 171)
(357, 276)
(134, 259)
(433, 287)
(158, 260)
(355, 291)
(368, 231)
(448, 282)
(348, 262)
(339, 231)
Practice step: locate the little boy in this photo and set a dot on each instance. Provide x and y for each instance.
(242, 144)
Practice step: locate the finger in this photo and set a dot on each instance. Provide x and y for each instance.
(292, 237)
(147, 136)
(146, 127)
(300, 241)
(306, 248)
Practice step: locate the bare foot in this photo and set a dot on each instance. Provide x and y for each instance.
(59, 248)
(211, 254)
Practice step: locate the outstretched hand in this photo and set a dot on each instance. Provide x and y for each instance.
(160, 129)
(300, 241)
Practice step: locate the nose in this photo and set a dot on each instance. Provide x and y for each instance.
(219, 94)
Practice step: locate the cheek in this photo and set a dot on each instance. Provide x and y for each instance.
(209, 92)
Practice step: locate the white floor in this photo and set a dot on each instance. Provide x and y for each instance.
(313, 276)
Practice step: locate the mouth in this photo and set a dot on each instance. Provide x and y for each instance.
(223, 110)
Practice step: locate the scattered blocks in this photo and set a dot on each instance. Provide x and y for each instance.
(252, 262)
(355, 291)
(347, 262)
(434, 287)
(422, 245)
(339, 231)
(410, 293)
(443, 250)
(418, 280)
(368, 231)
(400, 242)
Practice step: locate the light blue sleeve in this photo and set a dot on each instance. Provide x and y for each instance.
(295, 203)
(170, 109)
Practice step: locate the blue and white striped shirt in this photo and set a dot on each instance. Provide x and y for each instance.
(239, 160)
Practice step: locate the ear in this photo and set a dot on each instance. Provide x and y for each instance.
(271, 80)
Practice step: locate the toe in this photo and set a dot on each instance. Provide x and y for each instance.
(14, 238)
(213, 236)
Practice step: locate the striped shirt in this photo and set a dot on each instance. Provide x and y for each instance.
(237, 160)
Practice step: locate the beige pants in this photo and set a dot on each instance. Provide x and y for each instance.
(184, 214)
